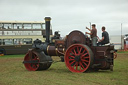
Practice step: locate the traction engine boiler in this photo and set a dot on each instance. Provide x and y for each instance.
(78, 53)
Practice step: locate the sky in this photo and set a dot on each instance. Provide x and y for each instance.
(69, 15)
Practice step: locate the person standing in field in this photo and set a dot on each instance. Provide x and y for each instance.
(93, 34)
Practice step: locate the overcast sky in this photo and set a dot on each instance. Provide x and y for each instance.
(68, 15)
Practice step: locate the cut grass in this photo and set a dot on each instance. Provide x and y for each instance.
(9, 56)
(122, 51)
(13, 72)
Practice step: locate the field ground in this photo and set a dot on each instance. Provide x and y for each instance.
(13, 72)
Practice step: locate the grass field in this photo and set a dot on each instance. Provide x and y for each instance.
(13, 72)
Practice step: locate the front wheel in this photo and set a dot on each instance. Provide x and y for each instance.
(37, 60)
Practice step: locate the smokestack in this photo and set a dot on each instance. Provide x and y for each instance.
(47, 29)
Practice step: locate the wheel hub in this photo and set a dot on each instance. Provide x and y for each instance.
(77, 58)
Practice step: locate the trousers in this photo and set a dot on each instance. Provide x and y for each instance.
(94, 41)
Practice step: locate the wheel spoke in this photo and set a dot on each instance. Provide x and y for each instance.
(72, 56)
(37, 65)
(30, 55)
(81, 65)
(34, 66)
(76, 65)
(72, 62)
(84, 54)
(80, 50)
(85, 60)
(85, 57)
(72, 53)
(35, 57)
(83, 51)
(84, 63)
(75, 51)
(80, 68)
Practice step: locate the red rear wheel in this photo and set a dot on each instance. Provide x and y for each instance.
(78, 58)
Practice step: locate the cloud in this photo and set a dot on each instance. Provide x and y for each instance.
(68, 15)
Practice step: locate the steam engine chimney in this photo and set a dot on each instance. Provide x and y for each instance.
(47, 28)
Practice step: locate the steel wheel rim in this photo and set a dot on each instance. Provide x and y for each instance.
(77, 58)
(31, 66)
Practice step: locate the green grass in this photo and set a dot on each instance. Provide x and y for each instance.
(9, 56)
(122, 52)
(13, 72)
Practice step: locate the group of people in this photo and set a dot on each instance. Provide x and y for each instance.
(95, 38)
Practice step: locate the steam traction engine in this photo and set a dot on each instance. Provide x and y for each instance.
(79, 54)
